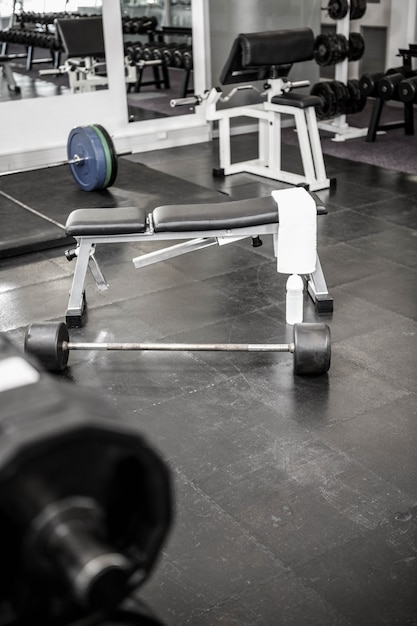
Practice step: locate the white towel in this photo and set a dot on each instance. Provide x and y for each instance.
(297, 232)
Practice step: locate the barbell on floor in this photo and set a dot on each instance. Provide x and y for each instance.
(311, 347)
(92, 158)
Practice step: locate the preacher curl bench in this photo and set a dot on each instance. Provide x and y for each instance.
(200, 225)
(268, 57)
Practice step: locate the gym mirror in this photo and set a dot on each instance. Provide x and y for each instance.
(158, 56)
(54, 48)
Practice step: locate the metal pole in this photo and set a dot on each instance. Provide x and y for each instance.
(76, 160)
(192, 347)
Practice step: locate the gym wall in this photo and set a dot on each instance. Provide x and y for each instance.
(228, 19)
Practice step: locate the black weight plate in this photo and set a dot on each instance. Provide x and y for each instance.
(327, 96)
(113, 153)
(356, 48)
(341, 48)
(356, 101)
(324, 49)
(338, 9)
(342, 95)
(357, 9)
(84, 144)
(407, 90)
(388, 86)
(46, 342)
(368, 84)
(312, 349)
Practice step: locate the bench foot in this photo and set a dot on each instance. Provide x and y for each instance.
(75, 318)
(323, 303)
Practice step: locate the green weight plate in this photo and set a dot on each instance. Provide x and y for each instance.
(113, 153)
(107, 154)
(91, 169)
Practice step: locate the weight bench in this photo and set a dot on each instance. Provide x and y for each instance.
(268, 57)
(83, 42)
(201, 226)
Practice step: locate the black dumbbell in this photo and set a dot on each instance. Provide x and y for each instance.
(407, 90)
(388, 86)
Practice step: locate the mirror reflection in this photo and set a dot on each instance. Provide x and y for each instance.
(157, 37)
(50, 48)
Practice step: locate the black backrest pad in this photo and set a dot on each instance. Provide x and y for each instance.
(234, 72)
(82, 36)
(279, 47)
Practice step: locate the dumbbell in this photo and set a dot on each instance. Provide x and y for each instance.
(168, 53)
(388, 86)
(178, 55)
(49, 342)
(148, 51)
(187, 59)
(85, 501)
(144, 24)
(162, 52)
(407, 90)
(368, 83)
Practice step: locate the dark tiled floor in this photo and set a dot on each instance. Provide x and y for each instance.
(296, 498)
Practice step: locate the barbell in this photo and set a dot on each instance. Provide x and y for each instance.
(49, 343)
(92, 158)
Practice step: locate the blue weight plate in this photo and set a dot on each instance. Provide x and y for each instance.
(90, 172)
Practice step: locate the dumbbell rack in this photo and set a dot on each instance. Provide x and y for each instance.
(338, 125)
(375, 125)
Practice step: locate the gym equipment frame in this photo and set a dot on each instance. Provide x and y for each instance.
(199, 225)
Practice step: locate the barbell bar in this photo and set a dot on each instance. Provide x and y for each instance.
(50, 344)
(92, 158)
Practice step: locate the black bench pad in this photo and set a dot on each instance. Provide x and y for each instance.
(297, 100)
(120, 221)
(281, 47)
(220, 216)
(177, 217)
(215, 216)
